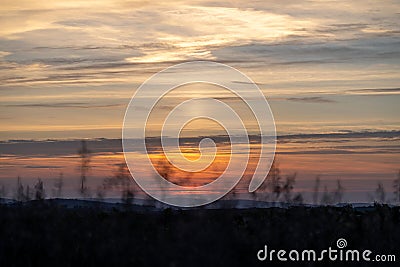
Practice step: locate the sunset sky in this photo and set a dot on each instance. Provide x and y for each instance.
(69, 69)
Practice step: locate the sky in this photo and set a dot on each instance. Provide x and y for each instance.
(70, 68)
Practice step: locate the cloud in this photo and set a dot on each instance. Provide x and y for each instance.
(65, 105)
(312, 99)
(42, 167)
(103, 145)
(376, 91)
(72, 50)
(67, 37)
(338, 152)
(249, 83)
(361, 50)
(151, 33)
(343, 135)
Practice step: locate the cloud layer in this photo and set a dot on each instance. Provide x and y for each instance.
(91, 55)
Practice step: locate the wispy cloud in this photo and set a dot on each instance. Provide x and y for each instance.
(326, 141)
(76, 55)
(65, 105)
(42, 167)
(376, 91)
(312, 99)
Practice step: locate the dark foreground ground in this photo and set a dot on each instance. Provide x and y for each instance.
(48, 234)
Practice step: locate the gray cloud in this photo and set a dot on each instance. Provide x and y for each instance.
(65, 105)
(42, 167)
(340, 135)
(338, 152)
(292, 52)
(70, 147)
(240, 82)
(311, 99)
(375, 90)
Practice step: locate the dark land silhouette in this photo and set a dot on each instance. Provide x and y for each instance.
(38, 230)
(82, 233)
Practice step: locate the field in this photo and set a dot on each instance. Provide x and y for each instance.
(47, 233)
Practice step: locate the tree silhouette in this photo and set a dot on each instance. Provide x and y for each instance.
(326, 197)
(3, 192)
(316, 189)
(338, 193)
(39, 190)
(27, 195)
(166, 171)
(100, 192)
(19, 192)
(287, 188)
(85, 156)
(380, 193)
(275, 183)
(272, 184)
(122, 180)
(396, 187)
(58, 185)
(329, 198)
(278, 189)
